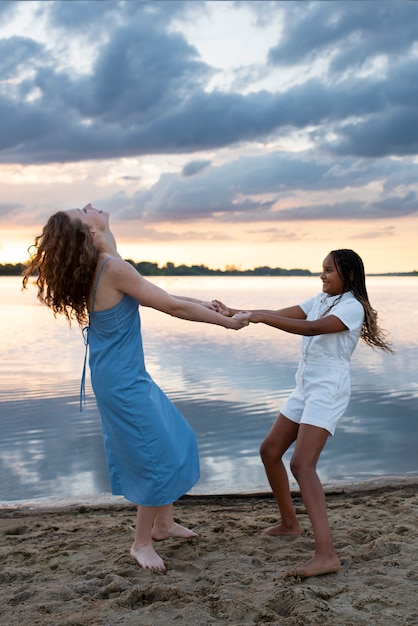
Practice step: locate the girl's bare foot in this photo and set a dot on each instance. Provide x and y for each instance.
(147, 557)
(174, 530)
(281, 530)
(316, 566)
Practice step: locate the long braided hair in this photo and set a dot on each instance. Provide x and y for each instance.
(351, 271)
(64, 259)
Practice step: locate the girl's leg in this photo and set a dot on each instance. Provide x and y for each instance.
(309, 445)
(282, 434)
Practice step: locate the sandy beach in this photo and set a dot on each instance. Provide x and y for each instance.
(70, 565)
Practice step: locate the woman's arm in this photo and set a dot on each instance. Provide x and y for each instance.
(206, 303)
(125, 279)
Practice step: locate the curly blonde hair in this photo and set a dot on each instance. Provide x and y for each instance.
(351, 271)
(64, 259)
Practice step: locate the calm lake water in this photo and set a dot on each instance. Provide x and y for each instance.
(229, 385)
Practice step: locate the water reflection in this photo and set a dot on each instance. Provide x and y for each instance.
(48, 450)
(55, 451)
(229, 385)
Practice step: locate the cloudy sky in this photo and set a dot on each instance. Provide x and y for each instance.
(224, 133)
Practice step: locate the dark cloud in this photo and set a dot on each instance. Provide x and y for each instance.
(393, 132)
(390, 126)
(353, 210)
(17, 54)
(349, 33)
(82, 15)
(146, 91)
(103, 118)
(406, 204)
(137, 77)
(194, 167)
(251, 189)
(8, 8)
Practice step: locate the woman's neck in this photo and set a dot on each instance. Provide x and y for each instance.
(105, 243)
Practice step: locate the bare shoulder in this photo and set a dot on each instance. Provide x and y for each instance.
(117, 264)
(124, 278)
(105, 291)
(117, 270)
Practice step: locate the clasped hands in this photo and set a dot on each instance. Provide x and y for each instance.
(242, 316)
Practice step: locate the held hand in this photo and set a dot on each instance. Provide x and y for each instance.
(221, 308)
(240, 320)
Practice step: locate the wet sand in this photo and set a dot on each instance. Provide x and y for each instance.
(70, 565)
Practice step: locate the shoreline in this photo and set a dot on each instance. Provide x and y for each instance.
(108, 500)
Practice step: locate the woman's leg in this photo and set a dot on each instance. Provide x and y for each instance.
(281, 436)
(165, 527)
(155, 522)
(142, 549)
(309, 444)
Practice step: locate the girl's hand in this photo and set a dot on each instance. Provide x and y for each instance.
(208, 305)
(221, 308)
(239, 320)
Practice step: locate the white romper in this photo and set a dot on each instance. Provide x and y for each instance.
(323, 376)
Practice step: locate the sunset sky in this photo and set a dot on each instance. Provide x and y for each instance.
(223, 133)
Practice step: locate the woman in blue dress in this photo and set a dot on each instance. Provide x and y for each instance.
(151, 450)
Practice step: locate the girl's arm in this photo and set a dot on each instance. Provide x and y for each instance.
(124, 278)
(297, 325)
(291, 311)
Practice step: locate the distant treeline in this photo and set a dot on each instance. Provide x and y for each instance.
(169, 269)
(11, 270)
(146, 268)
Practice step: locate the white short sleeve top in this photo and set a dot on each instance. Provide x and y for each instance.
(333, 347)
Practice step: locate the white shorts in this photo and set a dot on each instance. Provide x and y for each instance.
(321, 396)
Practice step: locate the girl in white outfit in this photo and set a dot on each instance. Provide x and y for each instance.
(331, 324)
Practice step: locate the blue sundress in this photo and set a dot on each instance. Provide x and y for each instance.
(151, 450)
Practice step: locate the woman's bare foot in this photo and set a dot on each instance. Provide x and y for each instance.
(147, 557)
(174, 530)
(316, 566)
(280, 530)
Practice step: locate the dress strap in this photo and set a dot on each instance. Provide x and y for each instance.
(97, 282)
(85, 332)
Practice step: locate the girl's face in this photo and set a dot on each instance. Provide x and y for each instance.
(331, 281)
(93, 218)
